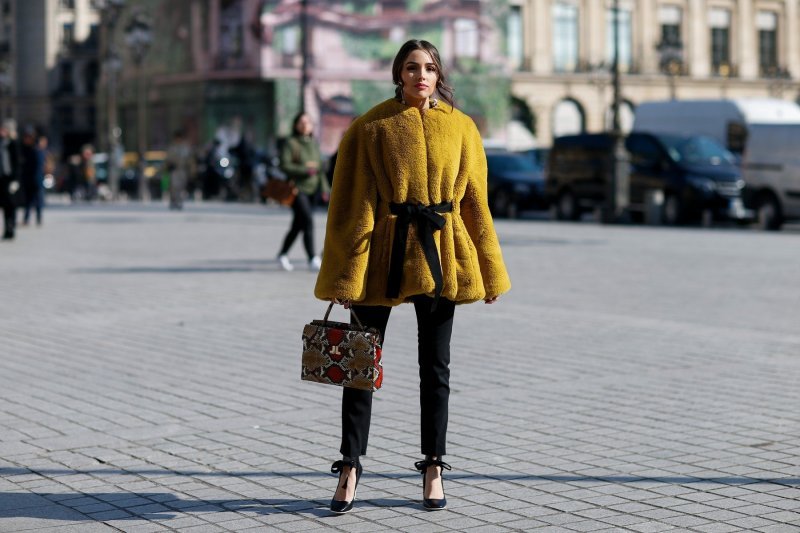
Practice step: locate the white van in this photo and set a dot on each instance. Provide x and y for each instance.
(764, 133)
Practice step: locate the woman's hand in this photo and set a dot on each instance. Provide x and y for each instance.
(345, 303)
(491, 300)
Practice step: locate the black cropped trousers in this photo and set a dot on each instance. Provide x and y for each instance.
(434, 329)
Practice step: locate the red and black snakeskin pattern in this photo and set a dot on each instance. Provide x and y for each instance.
(340, 354)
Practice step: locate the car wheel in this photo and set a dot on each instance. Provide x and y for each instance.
(567, 206)
(768, 212)
(503, 204)
(673, 210)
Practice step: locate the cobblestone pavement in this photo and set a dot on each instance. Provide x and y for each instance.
(635, 379)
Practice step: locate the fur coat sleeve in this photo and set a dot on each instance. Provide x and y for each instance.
(351, 220)
(395, 154)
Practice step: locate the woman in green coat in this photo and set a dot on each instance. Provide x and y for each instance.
(301, 161)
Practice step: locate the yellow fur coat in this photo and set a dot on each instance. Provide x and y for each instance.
(395, 153)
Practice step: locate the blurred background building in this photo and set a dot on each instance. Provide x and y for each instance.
(562, 51)
(49, 68)
(226, 68)
(133, 71)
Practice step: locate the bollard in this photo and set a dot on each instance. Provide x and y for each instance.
(653, 207)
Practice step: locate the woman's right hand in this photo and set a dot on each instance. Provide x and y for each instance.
(345, 303)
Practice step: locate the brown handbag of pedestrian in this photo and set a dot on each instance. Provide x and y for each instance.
(347, 355)
(282, 191)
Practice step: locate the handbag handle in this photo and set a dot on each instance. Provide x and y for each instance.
(352, 312)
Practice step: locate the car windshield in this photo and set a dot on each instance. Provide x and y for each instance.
(697, 150)
(499, 163)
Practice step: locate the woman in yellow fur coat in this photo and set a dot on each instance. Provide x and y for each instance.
(409, 222)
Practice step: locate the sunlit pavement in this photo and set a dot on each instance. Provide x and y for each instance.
(636, 379)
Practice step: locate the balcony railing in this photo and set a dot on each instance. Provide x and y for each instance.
(229, 62)
(725, 70)
(774, 72)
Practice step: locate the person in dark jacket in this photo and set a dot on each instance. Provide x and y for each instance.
(32, 175)
(9, 176)
(301, 161)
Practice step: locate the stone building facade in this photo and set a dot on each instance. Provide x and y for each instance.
(562, 50)
(225, 68)
(49, 68)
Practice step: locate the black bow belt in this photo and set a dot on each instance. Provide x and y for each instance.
(428, 220)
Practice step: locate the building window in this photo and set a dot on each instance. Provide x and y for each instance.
(515, 37)
(67, 4)
(625, 38)
(568, 118)
(231, 30)
(767, 24)
(91, 76)
(466, 37)
(66, 84)
(65, 116)
(626, 114)
(397, 34)
(565, 37)
(670, 48)
(720, 22)
(68, 34)
(289, 40)
(670, 18)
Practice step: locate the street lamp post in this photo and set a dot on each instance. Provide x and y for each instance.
(138, 37)
(617, 202)
(109, 15)
(303, 53)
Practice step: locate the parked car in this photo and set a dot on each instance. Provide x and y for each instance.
(765, 133)
(515, 183)
(695, 175)
(539, 156)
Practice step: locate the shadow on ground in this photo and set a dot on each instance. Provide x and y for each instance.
(204, 267)
(103, 506)
(558, 478)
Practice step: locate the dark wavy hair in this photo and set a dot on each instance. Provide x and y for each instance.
(444, 90)
(296, 120)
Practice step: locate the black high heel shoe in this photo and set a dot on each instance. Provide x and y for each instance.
(429, 503)
(341, 507)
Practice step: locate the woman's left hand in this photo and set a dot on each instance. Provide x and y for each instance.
(491, 300)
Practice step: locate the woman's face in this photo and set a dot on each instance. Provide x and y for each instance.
(419, 76)
(304, 125)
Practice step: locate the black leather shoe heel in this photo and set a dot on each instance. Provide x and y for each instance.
(431, 504)
(341, 507)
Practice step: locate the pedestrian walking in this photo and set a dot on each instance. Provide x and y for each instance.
(32, 174)
(301, 161)
(409, 222)
(83, 174)
(9, 176)
(180, 165)
(245, 154)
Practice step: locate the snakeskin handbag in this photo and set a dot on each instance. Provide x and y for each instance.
(348, 355)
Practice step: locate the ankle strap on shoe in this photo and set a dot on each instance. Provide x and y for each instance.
(339, 465)
(422, 466)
